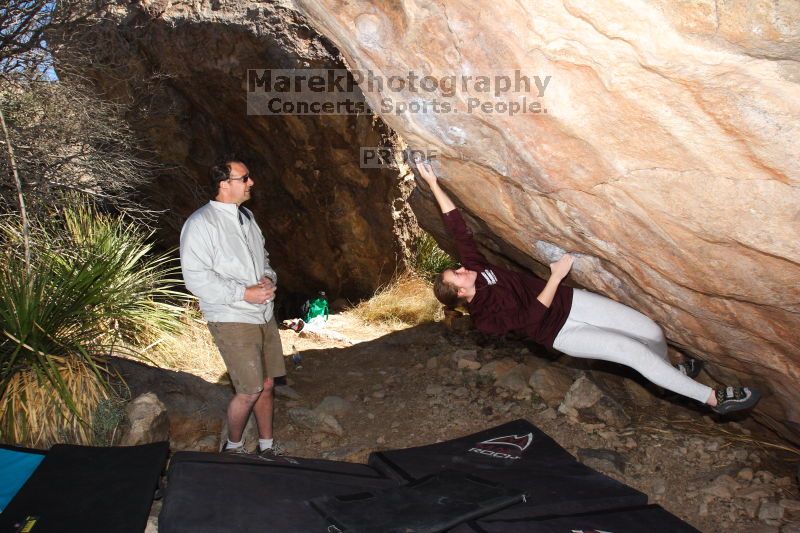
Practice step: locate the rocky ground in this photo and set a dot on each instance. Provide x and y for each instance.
(367, 388)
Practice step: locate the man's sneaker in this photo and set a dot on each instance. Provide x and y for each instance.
(272, 452)
(235, 451)
(730, 399)
(690, 367)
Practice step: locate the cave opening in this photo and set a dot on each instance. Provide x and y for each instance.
(330, 222)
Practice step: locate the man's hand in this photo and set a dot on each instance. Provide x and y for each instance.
(561, 268)
(261, 293)
(426, 172)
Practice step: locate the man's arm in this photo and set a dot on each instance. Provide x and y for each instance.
(200, 277)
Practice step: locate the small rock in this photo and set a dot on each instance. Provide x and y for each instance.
(334, 406)
(208, 443)
(612, 413)
(549, 414)
(582, 394)
(515, 381)
(432, 363)
(703, 509)
(461, 392)
(750, 507)
(147, 421)
(433, 390)
(603, 460)
(770, 513)
(379, 394)
(745, 474)
(467, 364)
(640, 395)
(783, 482)
(790, 505)
(740, 455)
(462, 353)
(381, 440)
(764, 476)
(754, 493)
(315, 421)
(498, 368)
(659, 486)
(551, 383)
(722, 488)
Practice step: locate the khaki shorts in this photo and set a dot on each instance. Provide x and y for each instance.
(252, 352)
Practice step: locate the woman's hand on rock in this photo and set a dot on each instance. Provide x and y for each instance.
(426, 172)
(562, 267)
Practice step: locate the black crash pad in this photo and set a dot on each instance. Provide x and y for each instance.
(519, 455)
(651, 518)
(428, 505)
(88, 489)
(219, 493)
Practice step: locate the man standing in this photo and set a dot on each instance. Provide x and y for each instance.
(226, 265)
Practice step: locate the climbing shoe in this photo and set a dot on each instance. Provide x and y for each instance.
(731, 399)
(235, 451)
(271, 452)
(690, 367)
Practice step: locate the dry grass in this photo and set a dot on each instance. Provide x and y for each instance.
(33, 416)
(407, 300)
(192, 350)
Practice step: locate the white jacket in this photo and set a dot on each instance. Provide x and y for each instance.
(220, 257)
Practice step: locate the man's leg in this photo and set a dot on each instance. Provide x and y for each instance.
(238, 413)
(263, 409)
(240, 346)
(274, 366)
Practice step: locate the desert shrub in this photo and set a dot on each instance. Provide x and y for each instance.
(408, 299)
(429, 259)
(92, 289)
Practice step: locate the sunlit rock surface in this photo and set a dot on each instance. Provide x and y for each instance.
(667, 157)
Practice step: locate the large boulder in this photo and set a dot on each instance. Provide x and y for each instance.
(667, 156)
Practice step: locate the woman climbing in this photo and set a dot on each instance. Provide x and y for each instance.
(576, 322)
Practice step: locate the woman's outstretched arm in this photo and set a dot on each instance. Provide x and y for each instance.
(444, 201)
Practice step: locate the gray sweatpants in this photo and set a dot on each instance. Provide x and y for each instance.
(600, 328)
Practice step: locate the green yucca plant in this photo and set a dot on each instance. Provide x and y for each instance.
(92, 289)
(429, 259)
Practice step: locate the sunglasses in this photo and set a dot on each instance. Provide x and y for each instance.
(243, 178)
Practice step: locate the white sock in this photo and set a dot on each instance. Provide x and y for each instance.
(231, 445)
(264, 444)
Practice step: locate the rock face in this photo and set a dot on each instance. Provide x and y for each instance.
(662, 151)
(667, 157)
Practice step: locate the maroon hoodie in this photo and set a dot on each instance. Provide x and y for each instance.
(505, 300)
